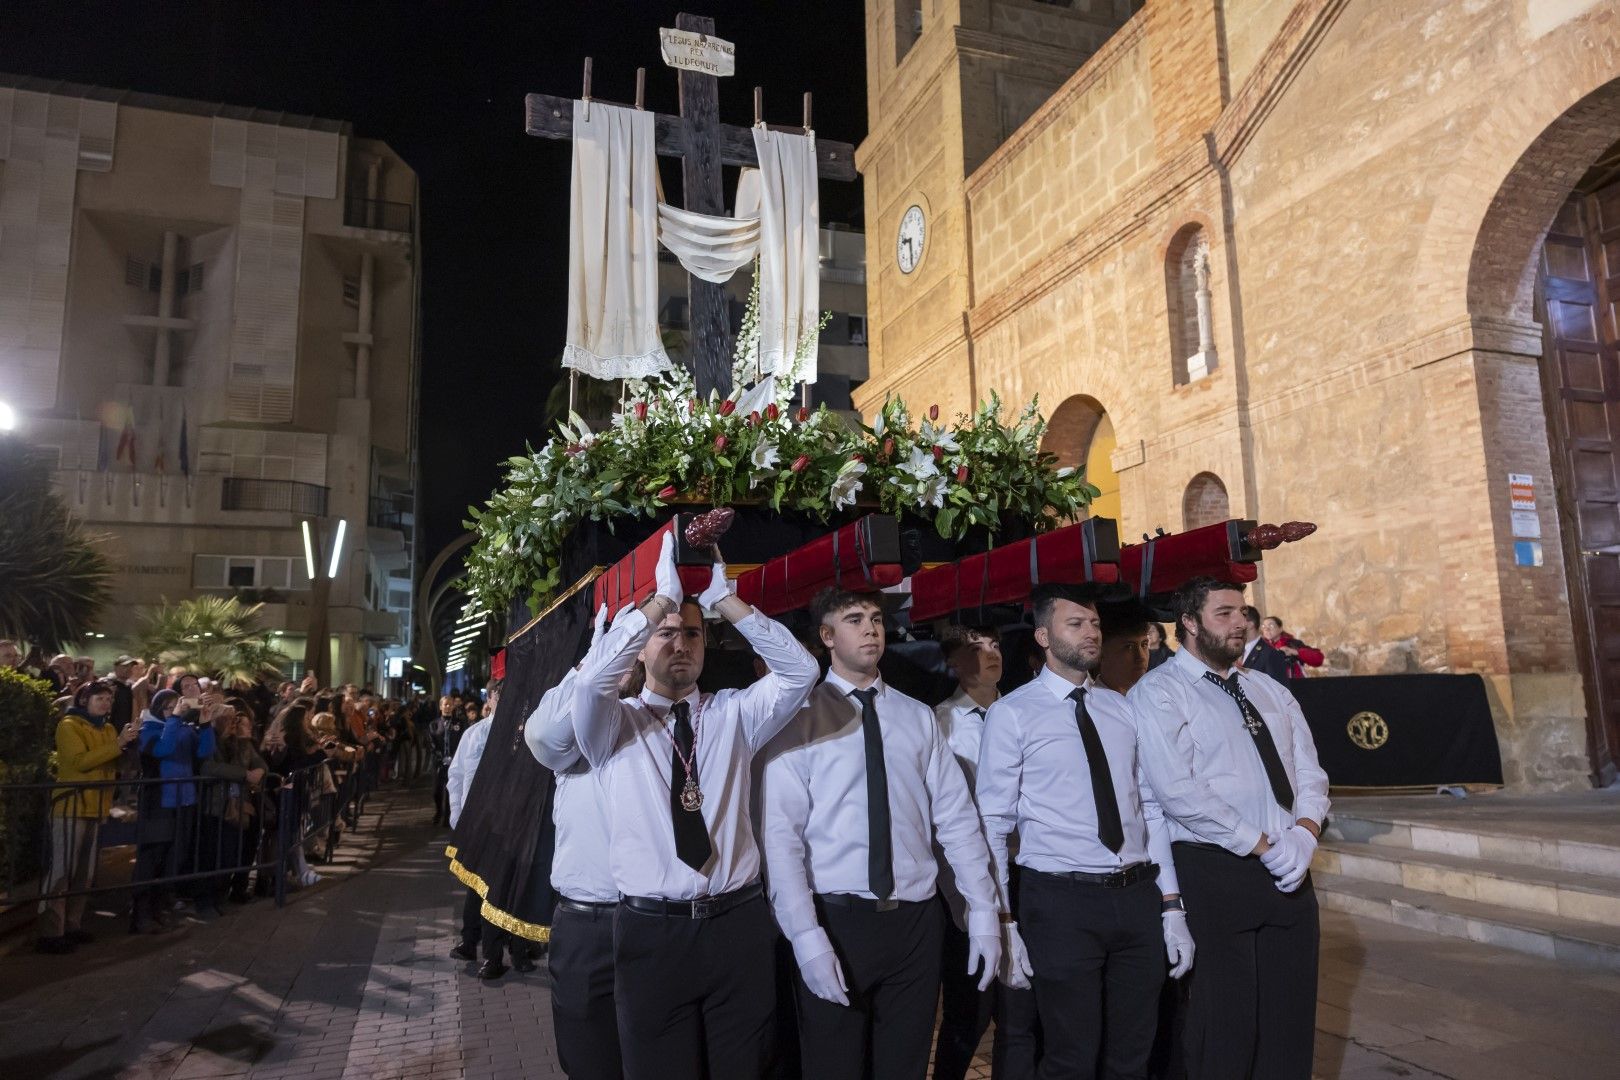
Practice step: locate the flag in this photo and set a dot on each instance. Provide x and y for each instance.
(185, 449)
(126, 440)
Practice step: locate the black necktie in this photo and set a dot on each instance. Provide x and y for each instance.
(691, 832)
(879, 845)
(1281, 789)
(1109, 829)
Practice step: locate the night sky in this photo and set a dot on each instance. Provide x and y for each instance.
(443, 84)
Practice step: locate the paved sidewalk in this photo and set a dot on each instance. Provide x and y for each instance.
(352, 980)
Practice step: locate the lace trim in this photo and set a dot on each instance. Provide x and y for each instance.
(643, 366)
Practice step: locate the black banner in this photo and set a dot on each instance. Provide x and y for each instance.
(1401, 730)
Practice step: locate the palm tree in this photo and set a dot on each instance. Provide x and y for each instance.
(53, 575)
(215, 636)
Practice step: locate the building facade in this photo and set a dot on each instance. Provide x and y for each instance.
(209, 320)
(1344, 261)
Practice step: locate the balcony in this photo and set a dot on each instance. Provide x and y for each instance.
(362, 213)
(248, 493)
(392, 512)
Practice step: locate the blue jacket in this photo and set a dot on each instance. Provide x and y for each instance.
(175, 747)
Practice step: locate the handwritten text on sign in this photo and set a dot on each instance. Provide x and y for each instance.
(697, 52)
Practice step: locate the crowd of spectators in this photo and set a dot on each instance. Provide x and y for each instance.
(194, 775)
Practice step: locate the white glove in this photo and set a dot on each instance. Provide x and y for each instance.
(1015, 970)
(1289, 857)
(1178, 943)
(667, 575)
(601, 625)
(825, 979)
(984, 950)
(719, 588)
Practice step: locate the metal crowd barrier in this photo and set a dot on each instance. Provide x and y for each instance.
(228, 829)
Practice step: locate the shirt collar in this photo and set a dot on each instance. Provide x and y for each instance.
(1058, 685)
(1192, 668)
(962, 701)
(845, 687)
(1248, 646)
(663, 704)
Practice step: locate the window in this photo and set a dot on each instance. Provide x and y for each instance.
(857, 329)
(248, 572)
(1204, 502)
(1187, 270)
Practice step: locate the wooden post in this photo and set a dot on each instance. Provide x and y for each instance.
(701, 185)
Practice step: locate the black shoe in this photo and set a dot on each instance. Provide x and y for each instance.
(464, 952)
(490, 970)
(524, 964)
(61, 946)
(79, 937)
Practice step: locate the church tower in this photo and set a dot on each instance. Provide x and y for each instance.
(948, 81)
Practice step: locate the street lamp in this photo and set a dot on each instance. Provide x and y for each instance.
(8, 417)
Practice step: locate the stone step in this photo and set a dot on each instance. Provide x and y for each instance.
(1474, 842)
(1588, 945)
(1581, 897)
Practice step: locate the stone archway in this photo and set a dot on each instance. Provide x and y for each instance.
(1205, 502)
(1080, 433)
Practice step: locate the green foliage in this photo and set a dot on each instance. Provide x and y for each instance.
(27, 743)
(55, 576)
(214, 636)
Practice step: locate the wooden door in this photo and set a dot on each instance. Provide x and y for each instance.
(1580, 279)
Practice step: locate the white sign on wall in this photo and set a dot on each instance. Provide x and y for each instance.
(697, 52)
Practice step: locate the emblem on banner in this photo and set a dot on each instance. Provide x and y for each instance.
(1368, 730)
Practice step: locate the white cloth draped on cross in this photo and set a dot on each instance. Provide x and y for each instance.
(617, 220)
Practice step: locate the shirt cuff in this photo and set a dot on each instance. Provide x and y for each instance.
(810, 944)
(1244, 839)
(984, 924)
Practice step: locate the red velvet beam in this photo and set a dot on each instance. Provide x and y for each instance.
(1087, 551)
(863, 556)
(1228, 551)
(633, 578)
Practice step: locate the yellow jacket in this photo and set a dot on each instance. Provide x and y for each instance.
(85, 752)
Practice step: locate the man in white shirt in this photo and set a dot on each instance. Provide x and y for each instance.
(458, 781)
(973, 654)
(1232, 760)
(693, 942)
(858, 789)
(580, 954)
(1099, 902)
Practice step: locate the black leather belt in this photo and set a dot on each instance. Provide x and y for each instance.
(704, 907)
(585, 907)
(1119, 879)
(865, 903)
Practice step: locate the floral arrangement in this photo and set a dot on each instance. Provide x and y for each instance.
(667, 445)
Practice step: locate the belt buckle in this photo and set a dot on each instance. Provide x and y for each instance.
(887, 905)
(1117, 880)
(702, 909)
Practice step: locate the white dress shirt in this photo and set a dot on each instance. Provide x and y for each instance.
(1034, 777)
(631, 742)
(815, 810)
(1204, 764)
(469, 752)
(962, 720)
(579, 860)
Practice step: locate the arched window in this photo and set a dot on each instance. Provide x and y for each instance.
(1204, 502)
(1187, 271)
(1081, 434)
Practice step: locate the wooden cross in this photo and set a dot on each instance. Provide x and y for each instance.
(704, 145)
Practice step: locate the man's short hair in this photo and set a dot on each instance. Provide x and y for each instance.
(1043, 598)
(1273, 618)
(833, 600)
(1190, 598)
(955, 637)
(1252, 613)
(1127, 619)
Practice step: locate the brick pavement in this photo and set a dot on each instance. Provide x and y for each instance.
(352, 982)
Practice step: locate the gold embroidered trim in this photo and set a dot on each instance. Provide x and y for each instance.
(506, 921)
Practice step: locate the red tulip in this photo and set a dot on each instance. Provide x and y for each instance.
(804, 414)
(888, 448)
(720, 443)
(641, 410)
(961, 474)
(668, 493)
(573, 448)
(939, 453)
(857, 457)
(753, 418)
(727, 407)
(799, 463)
(933, 412)
(691, 406)
(772, 412)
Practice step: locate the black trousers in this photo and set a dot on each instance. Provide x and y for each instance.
(441, 792)
(964, 1011)
(891, 963)
(1251, 1002)
(1098, 955)
(695, 997)
(582, 1009)
(476, 931)
(1016, 1046)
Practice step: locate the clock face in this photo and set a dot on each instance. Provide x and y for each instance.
(908, 244)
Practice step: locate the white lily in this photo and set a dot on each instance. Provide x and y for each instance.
(932, 491)
(920, 465)
(939, 436)
(848, 484)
